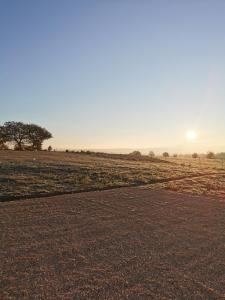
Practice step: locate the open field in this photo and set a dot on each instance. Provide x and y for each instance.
(209, 185)
(127, 243)
(140, 242)
(32, 174)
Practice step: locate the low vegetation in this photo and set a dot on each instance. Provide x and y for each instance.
(27, 174)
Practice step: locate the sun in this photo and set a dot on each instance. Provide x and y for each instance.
(191, 135)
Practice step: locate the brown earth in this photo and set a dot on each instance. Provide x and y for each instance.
(126, 243)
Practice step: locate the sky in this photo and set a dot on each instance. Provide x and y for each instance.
(116, 74)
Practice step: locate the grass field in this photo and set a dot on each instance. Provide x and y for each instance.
(31, 174)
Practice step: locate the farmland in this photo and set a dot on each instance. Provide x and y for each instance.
(31, 174)
(127, 243)
(157, 232)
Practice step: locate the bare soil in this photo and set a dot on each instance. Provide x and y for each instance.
(126, 243)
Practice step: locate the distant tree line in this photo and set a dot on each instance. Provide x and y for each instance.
(209, 155)
(23, 136)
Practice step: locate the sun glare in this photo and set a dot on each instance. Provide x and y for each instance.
(191, 135)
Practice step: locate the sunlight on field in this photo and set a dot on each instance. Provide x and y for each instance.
(28, 174)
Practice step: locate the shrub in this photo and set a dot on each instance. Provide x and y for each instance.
(135, 153)
(151, 154)
(166, 154)
(210, 155)
(195, 155)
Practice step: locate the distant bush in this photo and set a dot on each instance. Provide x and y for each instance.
(195, 155)
(151, 154)
(210, 155)
(135, 153)
(85, 152)
(49, 148)
(175, 155)
(166, 154)
(67, 151)
(220, 155)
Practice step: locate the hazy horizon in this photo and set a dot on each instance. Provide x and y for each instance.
(116, 74)
(145, 151)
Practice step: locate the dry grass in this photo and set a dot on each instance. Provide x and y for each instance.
(209, 185)
(29, 174)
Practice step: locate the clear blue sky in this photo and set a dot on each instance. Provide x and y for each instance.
(113, 74)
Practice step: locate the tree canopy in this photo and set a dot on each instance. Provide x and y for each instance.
(23, 136)
(135, 153)
(151, 154)
(195, 155)
(210, 155)
(36, 136)
(3, 138)
(166, 154)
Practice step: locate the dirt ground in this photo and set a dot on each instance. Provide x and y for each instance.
(126, 243)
